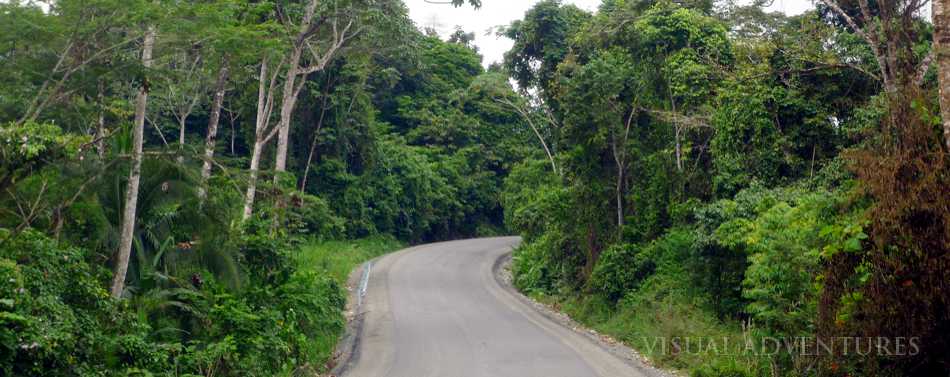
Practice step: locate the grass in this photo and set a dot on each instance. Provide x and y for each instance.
(337, 258)
(653, 318)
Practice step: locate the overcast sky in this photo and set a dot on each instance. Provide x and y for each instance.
(494, 13)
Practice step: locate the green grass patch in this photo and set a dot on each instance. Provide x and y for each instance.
(338, 258)
(669, 330)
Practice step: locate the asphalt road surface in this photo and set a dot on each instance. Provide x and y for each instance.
(437, 310)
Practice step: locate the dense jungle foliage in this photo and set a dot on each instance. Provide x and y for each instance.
(389, 141)
(185, 184)
(727, 175)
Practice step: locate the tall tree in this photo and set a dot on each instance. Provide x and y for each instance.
(263, 133)
(135, 174)
(323, 46)
(213, 120)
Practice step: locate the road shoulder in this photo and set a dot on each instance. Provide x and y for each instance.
(631, 358)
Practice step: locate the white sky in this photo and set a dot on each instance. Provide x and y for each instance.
(494, 13)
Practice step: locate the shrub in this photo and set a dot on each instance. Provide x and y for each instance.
(619, 269)
(533, 272)
(721, 369)
(57, 319)
(532, 200)
(312, 216)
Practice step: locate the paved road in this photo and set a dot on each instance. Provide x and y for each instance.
(437, 310)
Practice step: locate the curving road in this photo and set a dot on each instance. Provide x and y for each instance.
(437, 310)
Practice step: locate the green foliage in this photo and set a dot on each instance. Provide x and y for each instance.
(541, 42)
(747, 142)
(29, 146)
(620, 269)
(532, 200)
(58, 319)
(338, 258)
(721, 369)
(784, 246)
(702, 178)
(312, 216)
(536, 271)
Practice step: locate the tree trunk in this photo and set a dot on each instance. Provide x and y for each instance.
(100, 139)
(252, 180)
(941, 21)
(619, 193)
(289, 101)
(618, 189)
(132, 189)
(264, 98)
(181, 138)
(292, 89)
(679, 149)
(233, 130)
(213, 121)
(524, 114)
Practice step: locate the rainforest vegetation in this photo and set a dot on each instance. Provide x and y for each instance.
(724, 174)
(184, 185)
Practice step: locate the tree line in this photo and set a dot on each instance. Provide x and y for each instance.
(721, 172)
(167, 166)
(675, 168)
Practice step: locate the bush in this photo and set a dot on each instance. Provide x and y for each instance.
(56, 319)
(721, 369)
(532, 268)
(312, 216)
(532, 200)
(265, 254)
(619, 269)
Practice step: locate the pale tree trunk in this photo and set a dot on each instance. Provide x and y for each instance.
(231, 120)
(679, 148)
(100, 139)
(620, 159)
(182, 126)
(213, 121)
(132, 189)
(265, 100)
(941, 21)
(252, 181)
(289, 95)
(619, 193)
(288, 102)
(181, 137)
(618, 185)
(677, 133)
(258, 144)
(318, 62)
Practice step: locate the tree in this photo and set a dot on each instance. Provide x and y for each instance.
(601, 111)
(135, 174)
(213, 120)
(263, 133)
(323, 46)
(541, 42)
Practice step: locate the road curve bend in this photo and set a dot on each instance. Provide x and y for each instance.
(436, 310)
